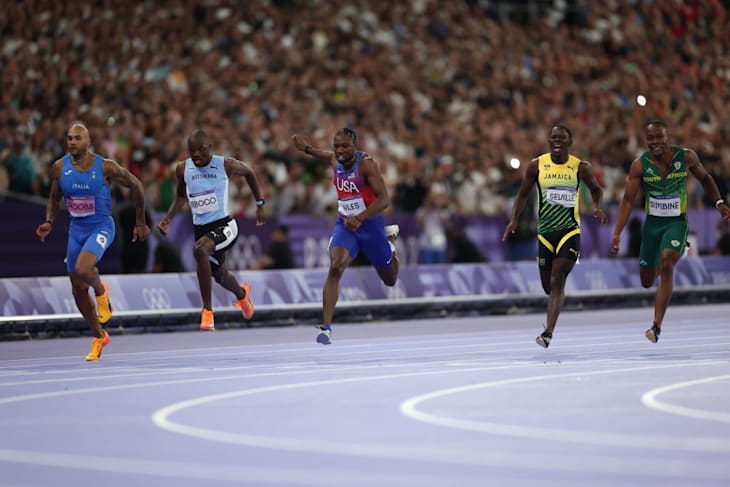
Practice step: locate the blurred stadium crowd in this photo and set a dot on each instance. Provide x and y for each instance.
(443, 93)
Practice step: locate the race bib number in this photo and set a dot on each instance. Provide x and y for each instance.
(562, 196)
(351, 206)
(670, 205)
(81, 206)
(204, 202)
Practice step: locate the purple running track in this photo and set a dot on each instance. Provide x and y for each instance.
(449, 402)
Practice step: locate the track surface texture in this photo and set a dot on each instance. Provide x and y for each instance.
(448, 402)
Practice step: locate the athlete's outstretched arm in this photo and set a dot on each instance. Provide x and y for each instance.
(370, 172)
(585, 171)
(119, 175)
(181, 199)
(633, 180)
(234, 167)
(708, 182)
(528, 181)
(303, 146)
(54, 201)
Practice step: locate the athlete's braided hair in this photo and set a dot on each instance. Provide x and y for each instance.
(349, 132)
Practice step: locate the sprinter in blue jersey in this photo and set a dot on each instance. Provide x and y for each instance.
(362, 198)
(83, 179)
(202, 184)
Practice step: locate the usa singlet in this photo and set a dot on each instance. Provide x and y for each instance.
(353, 195)
(557, 188)
(207, 189)
(665, 196)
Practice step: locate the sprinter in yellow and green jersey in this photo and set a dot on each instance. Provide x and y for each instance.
(662, 172)
(558, 175)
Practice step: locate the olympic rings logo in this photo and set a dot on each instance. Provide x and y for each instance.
(246, 251)
(156, 298)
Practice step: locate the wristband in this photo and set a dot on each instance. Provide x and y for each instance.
(719, 202)
(260, 202)
(307, 149)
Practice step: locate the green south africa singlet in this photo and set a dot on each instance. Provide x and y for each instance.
(665, 226)
(557, 191)
(665, 196)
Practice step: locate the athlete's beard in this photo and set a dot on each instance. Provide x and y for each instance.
(347, 162)
(80, 153)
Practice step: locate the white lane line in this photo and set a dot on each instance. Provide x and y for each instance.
(161, 418)
(410, 408)
(212, 471)
(346, 346)
(649, 399)
(209, 378)
(491, 353)
(596, 463)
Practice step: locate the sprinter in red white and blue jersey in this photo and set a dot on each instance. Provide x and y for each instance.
(362, 198)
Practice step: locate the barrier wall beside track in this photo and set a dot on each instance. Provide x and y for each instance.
(43, 306)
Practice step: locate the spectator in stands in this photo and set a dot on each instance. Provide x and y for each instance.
(433, 217)
(722, 245)
(558, 175)
(279, 254)
(19, 166)
(445, 101)
(202, 184)
(463, 249)
(133, 255)
(661, 171)
(634, 247)
(83, 178)
(167, 258)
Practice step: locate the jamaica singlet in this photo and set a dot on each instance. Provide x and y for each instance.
(665, 196)
(557, 190)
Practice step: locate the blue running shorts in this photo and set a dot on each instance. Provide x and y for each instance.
(92, 238)
(370, 239)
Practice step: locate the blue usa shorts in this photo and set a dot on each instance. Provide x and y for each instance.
(370, 239)
(92, 238)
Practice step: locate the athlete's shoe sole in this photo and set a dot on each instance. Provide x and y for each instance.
(325, 335)
(392, 232)
(97, 346)
(652, 334)
(544, 339)
(207, 321)
(246, 305)
(103, 305)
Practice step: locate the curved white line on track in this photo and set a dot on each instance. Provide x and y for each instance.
(584, 463)
(649, 399)
(410, 409)
(162, 419)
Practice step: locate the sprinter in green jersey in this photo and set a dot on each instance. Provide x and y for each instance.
(557, 175)
(662, 173)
